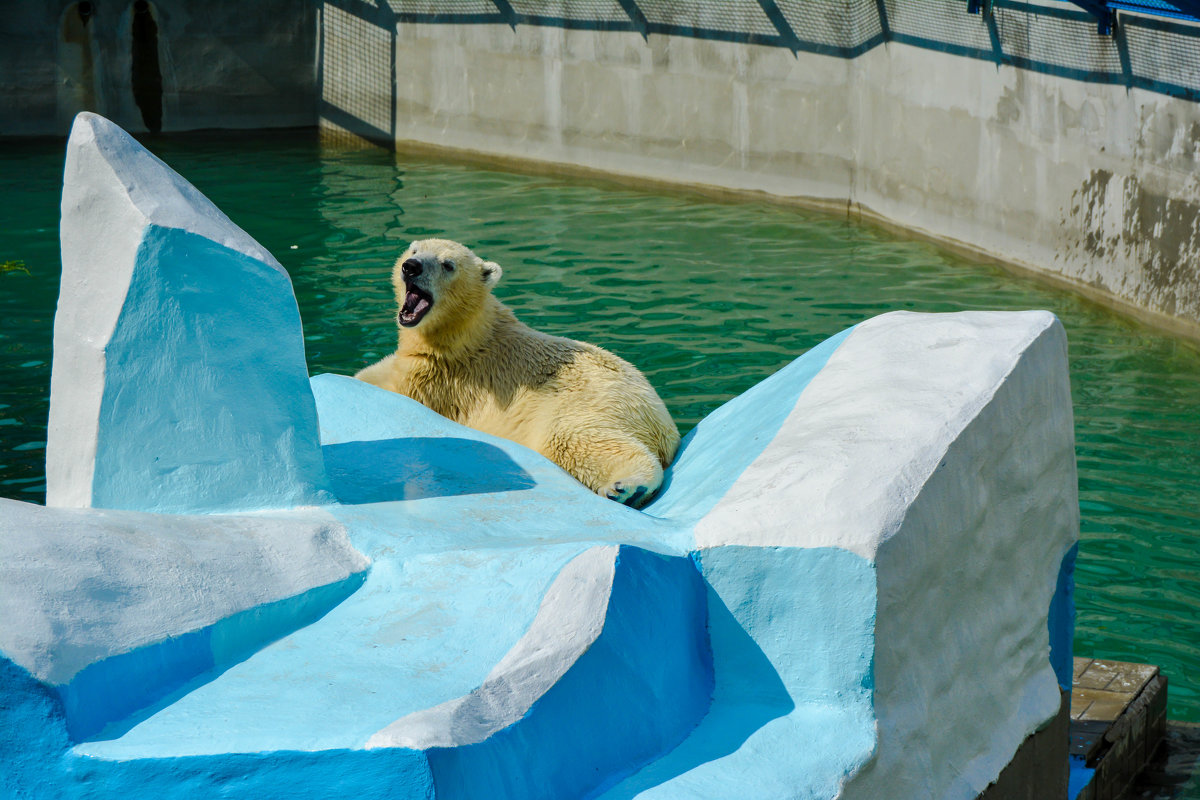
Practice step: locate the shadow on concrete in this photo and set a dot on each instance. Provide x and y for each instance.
(747, 694)
(357, 58)
(108, 698)
(411, 469)
(356, 70)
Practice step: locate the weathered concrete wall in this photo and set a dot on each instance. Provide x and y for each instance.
(164, 64)
(1026, 136)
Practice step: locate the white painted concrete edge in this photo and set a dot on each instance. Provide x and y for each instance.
(78, 586)
(893, 396)
(962, 659)
(570, 618)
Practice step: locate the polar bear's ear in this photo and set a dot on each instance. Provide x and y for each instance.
(491, 273)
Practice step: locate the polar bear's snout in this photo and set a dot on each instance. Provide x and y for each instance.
(417, 299)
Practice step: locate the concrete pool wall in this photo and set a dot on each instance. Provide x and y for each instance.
(1023, 135)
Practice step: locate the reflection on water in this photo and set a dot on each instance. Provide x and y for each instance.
(707, 298)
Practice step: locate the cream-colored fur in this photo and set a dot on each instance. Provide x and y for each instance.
(470, 359)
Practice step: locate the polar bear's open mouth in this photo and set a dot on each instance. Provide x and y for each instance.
(417, 303)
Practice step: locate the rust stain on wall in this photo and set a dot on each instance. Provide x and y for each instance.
(1123, 224)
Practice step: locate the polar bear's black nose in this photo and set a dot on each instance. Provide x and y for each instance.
(411, 268)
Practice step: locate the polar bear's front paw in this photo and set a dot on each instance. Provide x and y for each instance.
(628, 492)
(630, 474)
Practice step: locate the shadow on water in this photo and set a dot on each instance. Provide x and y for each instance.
(412, 469)
(1174, 771)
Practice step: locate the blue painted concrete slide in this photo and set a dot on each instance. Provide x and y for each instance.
(250, 584)
(457, 573)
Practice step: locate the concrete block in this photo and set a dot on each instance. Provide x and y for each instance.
(936, 435)
(115, 610)
(1116, 730)
(165, 393)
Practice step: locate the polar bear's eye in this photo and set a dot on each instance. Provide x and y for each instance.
(448, 265)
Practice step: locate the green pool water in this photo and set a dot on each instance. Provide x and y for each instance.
(706, 297)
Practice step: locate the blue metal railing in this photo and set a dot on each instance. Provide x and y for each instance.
(631, 15)
(635, 18)
(1105, 11)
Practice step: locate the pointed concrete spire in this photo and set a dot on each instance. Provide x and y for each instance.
(179, 382)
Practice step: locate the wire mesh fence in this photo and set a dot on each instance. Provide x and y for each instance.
(1156, 49)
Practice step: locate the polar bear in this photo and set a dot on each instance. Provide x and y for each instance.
(465, 355)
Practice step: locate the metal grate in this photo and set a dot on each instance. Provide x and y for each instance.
(1073, 41)
(1163, 59)
(942, 24)
(730, 16)
(844, 25)
(575, 10)
(1148, 6)
(357, 75)
(841, 26)
(1159, 53)
(1158, 7)
(449, 8)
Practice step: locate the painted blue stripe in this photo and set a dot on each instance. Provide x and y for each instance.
(635, 694)
(120, 691)
(423, 629)
(1079, 777)
(33, 736)
(1061, 621)
(385, 774)
(789, 667)
(201, 411)
(727, 441)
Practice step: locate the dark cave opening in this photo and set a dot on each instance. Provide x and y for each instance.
(146, 76)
